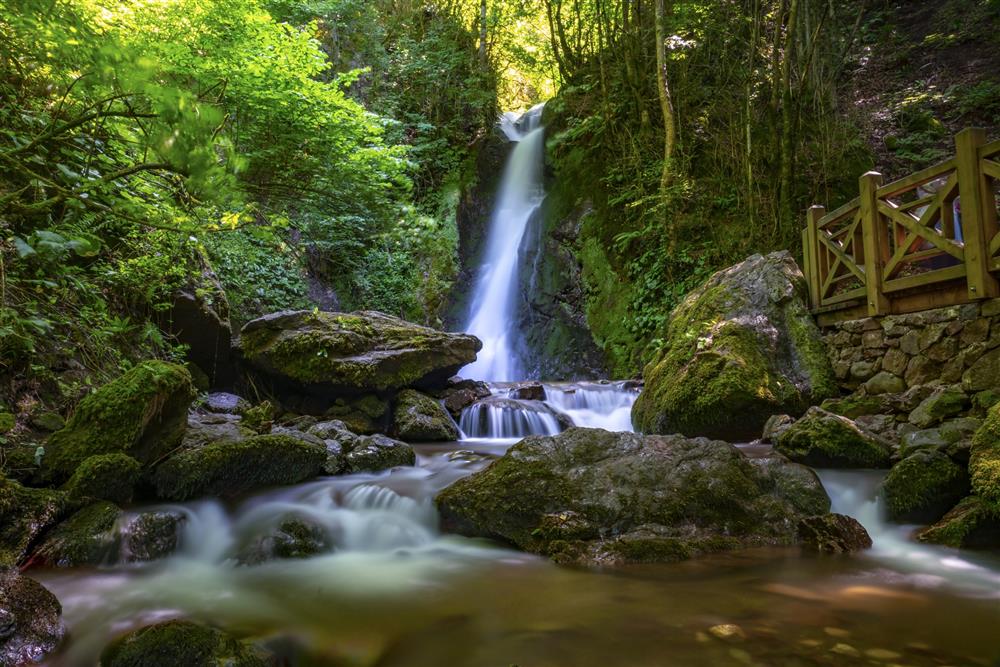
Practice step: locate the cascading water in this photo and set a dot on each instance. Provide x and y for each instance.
(494, 296)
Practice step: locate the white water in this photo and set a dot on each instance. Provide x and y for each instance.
(855, 493)
(495, 292)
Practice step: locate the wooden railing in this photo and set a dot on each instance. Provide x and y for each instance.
(927, 240)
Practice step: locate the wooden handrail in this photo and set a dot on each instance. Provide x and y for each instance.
(928, 239)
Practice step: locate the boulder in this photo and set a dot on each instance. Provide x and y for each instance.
(143, 414)
(176, 643)
(86, 538)
(458, 400)
(591, 496)
(224, 403)
(151, 535)
(885, 382)
(984, 461)
(833, 534)
(373, 453)
(737, 350)
(923, 486)
(984, 374)
(230, 469)
(943, 403)
(528, 391)
(293, 538)
(110, 477)
(47, 421)
(854, 406)
(25, 514)
(357, 352)
(203, 429)
(971, 524)
(421, 418)
(774, 425)
(30, 623)
(915, 441)
(822, 439)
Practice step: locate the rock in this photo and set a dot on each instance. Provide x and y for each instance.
(373, 453)
(529, 391)
(895, 362)
(984, 374)
(204, 429)
(943, 403)
(914, 441)
(911, 398)
(358, 352)
(520, 417)
(862, 371)
(30, 623)
(221, 402)
(774, 425)
(230, 469)
(795, 483)
(458, 400)
(921, 370)
(110, 477)
(854, 406)
(151, 535)
(419, 417)
(959, 429)
(923, 486)
(48, 421)
(25, 514)
(971, 524)
(824, 440)
(143, 414)
(833, 534)
(294, 538)
(885, 382)
(986, 399)
(176, 643)
(592, 496)
(738, 349)
(365, 416)
(86, 538)
(7, 422)
(984, 461)
(260, 417)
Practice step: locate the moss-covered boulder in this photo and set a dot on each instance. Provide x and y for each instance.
(25, 514)
(945, 402)
(30, 623)
(356, 352)
(822, 439)
(109, 477)
(143, 414)
(419, 417)
(86, 538)
(372, 453)
(737, 350)
(923, 486)
(971, 524)
(833, 534)
(591, 496)
(366, 415)
(293, 538)
(177, 643)
(230, 469)
(984, 461)
(151, 535)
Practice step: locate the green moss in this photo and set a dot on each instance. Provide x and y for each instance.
(853, 406)
(233, 468)
(923, 486)
(822, 439)
(176, 643)
(105, 477)
(24, 515)
(984, 463)
(259, 417)
(142, 413)
(971, 524)
(86, 538)
(7, 422)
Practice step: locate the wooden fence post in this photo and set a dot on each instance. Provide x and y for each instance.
(974, 225)
(812, 254)
(875, 243)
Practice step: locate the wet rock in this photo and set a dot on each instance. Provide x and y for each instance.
(25, 514)
(151, 535)
(738, 349)
(357, 352)
(224, 403)
(260, 417)
(795, 483)
(943, 403)
(984, 461)
(824, 440)
(176, 643)
(373, 453)
(48, 421)
(458, 400)
(302, 436)
(365, 416)
(230, 469)
(984, 374)
(86, 538)
(775, 425)
(110, 477)
(421, 418)
(971, 524)
(833, 534)
(914, 441)
(293, 538)
(624, 497)
(204, 429)
(854, 406)
(30, 623)
(530, 391)
(923, 486)
(143, 414)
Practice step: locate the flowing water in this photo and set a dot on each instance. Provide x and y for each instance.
(390, 590)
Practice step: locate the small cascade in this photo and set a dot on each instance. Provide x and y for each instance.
(521, 193)
(508, 418)
(607, 406)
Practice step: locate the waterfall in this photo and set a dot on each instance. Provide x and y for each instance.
(494, 295)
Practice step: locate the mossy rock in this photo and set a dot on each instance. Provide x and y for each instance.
(923, 486)
(591, 496)
(48, 421)
(945, 402)
(230, 469)
(86, 538)
(421, 418)
(971, 524)
(833, 534)
(176, 643)
(984, 462)
(358, 352)
(143, 414)
(260, 417)
(7, 422)
(365, 416)
(30, 623)
(372, 453)
(294, 538)
(25, 514)
(822, 439)
(854, 406)
(738, 349)
(109, 477)
(151, 535)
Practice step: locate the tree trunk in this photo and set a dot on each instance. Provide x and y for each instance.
(787, 119)
(663, 88)
(482, 31)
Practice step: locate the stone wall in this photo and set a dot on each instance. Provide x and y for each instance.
(958, 345)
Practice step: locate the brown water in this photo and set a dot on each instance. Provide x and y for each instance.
(398, 593)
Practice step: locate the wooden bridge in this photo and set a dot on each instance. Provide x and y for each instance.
(928, 240)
